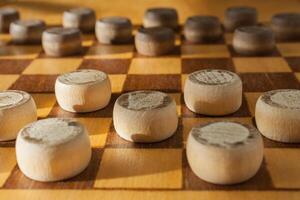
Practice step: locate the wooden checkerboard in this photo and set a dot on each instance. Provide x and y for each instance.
(159, 170)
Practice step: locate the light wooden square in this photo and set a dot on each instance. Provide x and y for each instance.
(117, 82)
(20, 52)
(189, 123)
(298, 76)
(289, 49)
(110, 51)
(205, 51)
(260, 64)
(177, 99)
(140, 168)
(8, 162)
(228, 38)
(7, 80)
(183, 79)
(98, 129)
(251, 100)
(44, 103)
(155, 66)
(52, 66)
(283, 165)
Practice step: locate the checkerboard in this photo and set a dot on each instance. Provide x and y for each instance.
(122, 169)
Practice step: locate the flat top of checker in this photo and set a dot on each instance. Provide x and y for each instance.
(202, 21)
(222, 134)
(7, 10)
(30, 22)
(52, 131)
(212, 77)
(12, 98)
(144, 100)
(116, 20)
(81, 11)
(120, 168)
(161, 12)
(85, 76)
(285, 98)
(155, 33)
(60, 31)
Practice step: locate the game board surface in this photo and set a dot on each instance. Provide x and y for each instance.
(120, 169)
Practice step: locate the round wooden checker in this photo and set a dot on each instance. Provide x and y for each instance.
(277, 115)
(81, 18)
(286, 26)
(17, 109)
(111, 30)
(53, 149)
(27, 31)
(239, 16)
(253, 40)
(224, 152)
(201, 29)
(7, 16)
(213, 92)
(145, 116)
(154, 41)
(61, 41)
(161, 17)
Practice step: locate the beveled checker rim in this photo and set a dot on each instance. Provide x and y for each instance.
(115, 21)
(202, 21)
(123, 100)
(74, 127)
(25, 98)
(291, 18)
(99, 76)
(32, 23)
(155, 33)
(8, 10)
(240, 10)
(196, 132)
(61, 31)
(161, 12)
(80, 11)
(225, 81)
(267, 98)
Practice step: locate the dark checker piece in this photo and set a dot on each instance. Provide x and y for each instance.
(286, 26)
(253, 40)
(7, 15)
(201, 29)
(239, 16)
(166, 17)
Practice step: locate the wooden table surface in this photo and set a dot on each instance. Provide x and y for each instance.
(120, 169)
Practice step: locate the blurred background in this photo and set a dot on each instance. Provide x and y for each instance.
(134, 9)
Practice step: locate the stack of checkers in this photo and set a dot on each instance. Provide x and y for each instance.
(113, 115)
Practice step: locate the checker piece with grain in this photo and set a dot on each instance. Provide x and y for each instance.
(145, 116)
(213, 92)
(253, 40)
(83, 90)
(224, 152)
(239, 16)
(277, 115)
(114, 30)
(7, 16)
(61, 41)
(161, 17)
(53, 149)
(27, 31)
(202, 29)
(286, 26)
(82, 18)
(154, 41)
(17, 109)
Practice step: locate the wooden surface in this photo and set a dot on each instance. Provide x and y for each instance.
(120, 169)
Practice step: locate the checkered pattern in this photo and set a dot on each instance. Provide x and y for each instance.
(118, 164)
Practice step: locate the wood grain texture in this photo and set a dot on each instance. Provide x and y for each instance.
(158, 170)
